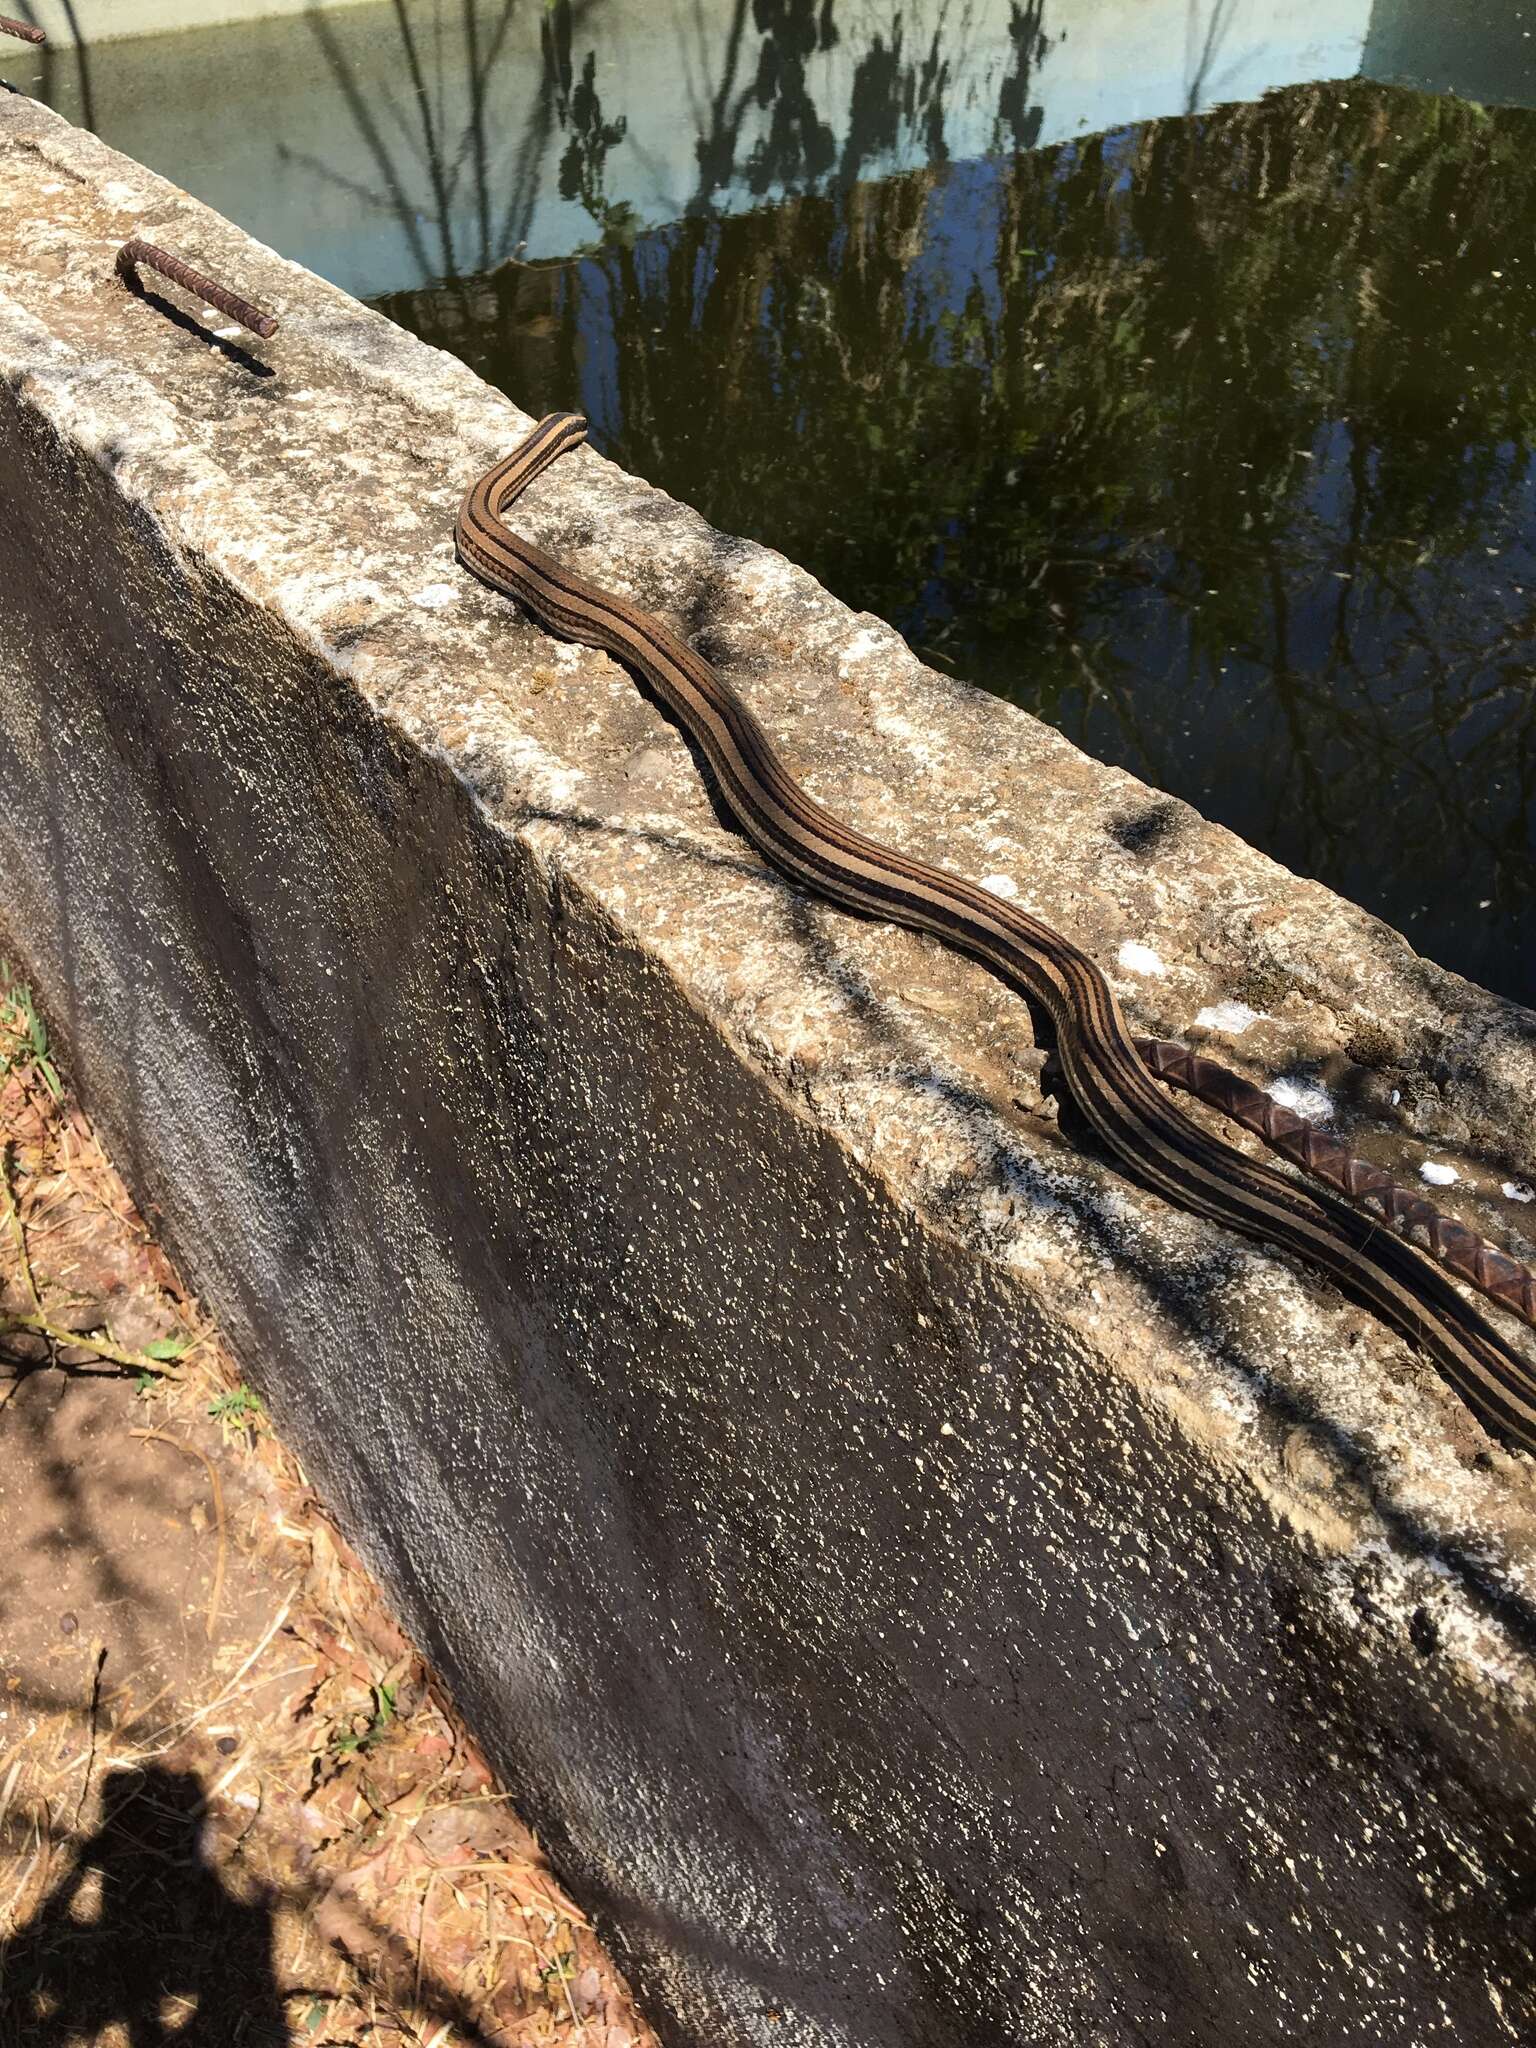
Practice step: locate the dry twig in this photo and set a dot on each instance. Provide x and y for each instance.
(160, 1436)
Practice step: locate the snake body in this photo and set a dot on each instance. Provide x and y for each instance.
(1153, 1140)
(1317, 1151)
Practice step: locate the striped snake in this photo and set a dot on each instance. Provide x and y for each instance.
(1107, 1074)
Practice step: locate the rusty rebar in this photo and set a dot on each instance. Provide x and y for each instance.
(24, 29)
(135, 252)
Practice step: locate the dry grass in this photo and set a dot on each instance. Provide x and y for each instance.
(233, 1799)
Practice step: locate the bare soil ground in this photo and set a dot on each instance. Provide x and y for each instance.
(235, 1805)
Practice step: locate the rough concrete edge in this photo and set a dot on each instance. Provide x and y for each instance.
(1465, 1025)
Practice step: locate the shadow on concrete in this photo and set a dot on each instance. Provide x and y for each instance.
(229, 350)
(1175, 1295)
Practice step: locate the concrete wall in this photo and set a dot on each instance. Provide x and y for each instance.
(924, 1590)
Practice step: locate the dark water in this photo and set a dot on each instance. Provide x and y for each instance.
(1207, 440)
(1205, 437)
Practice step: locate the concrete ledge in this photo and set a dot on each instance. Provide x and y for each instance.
(926, 1591)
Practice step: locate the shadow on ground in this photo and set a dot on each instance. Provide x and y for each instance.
(141, 1931)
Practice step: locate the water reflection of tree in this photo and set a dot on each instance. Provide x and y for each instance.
(492, 309)
(1018, 119)
(406, 138)
(760, 127)
(799, 146)
(60, 59)
(1193, 437)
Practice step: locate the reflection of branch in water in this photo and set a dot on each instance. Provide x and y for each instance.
(1015, 112)
(794, 143)
(50, 56)
(537, 131)
(1216, 26)
(365, 195)
(579, 108)
(437, 170)
(473, 144)
(715, 148)
(444, 166)
(394, 199)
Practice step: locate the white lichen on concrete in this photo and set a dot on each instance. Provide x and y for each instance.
(1230, 1016)
(1307, 1098)
(1137, 958)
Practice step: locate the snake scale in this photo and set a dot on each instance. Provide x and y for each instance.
(1105, 1069)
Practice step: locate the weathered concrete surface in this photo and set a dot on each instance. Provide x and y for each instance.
(927, 1591)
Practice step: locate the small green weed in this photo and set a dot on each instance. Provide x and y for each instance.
(557, 1972)
(235, 1409)
(166, 1349)
(23, 1034)
(358, 1743)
